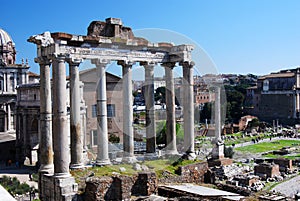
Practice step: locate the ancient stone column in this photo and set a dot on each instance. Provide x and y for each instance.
(75, 117)
(45, 138)
(128, 138)
(188, 109)
(60, 120)
(102, 130)
(170, 109)
(218, 150)
(150, 108)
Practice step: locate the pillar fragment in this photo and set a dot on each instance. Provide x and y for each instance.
(170, 109)
(75, 117)
(128, 138)
(60, 120)
(102, 130)
(188, 109)
(150, 108)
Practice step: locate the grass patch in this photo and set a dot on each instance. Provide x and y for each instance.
(267, 146)
(157, 166)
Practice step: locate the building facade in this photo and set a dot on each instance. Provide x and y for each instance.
(11, 75)
(114, 105)
(28, 120)
(276, 97)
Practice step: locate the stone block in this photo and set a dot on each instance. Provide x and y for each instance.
(220, 162)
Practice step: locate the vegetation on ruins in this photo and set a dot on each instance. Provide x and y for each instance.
(14, 186)
(171, 166)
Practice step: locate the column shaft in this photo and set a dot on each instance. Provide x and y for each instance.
(188, 108)
(170, 109)
(75, 120)
(218, 150)
(150, 109)
(218, 113)
(128, 138)
(60, 120)
(45, 138)
(102, 130)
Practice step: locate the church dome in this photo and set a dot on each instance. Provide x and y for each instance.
(7, 50)
(5, 38)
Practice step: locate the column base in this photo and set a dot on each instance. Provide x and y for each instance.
(77, 166)
(129, 159)
(47, 169)
(103, 162)
(58, 188)
(62, 175)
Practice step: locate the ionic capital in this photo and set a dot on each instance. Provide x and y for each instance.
(74, 61)
(100, 62)
(42, 60)
(187, 64)
(168, 65)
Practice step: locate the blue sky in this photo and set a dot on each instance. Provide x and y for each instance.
(237, 36)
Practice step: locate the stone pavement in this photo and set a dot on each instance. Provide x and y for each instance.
(290, 187)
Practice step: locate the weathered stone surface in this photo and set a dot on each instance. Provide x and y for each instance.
(111, 28)
(268, 169)
(193, 173)
(120, 187)
(146, 184)
(98, 188)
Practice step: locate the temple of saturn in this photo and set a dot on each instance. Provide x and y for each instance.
(105, 42)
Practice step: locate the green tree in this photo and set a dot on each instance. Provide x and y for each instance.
(161, 133)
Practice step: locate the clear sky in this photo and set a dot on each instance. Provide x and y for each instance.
(239, 36)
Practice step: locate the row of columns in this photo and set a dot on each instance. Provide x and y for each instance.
(58, 126)
(60, 120)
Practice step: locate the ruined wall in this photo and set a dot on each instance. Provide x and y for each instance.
(193, 173)
(270, 170)
(120, 187)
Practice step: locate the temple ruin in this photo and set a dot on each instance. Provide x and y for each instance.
(105, 42)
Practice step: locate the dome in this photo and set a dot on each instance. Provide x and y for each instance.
(5, 38)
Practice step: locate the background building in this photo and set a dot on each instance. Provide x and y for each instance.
(11, 75)
(114, 105)
(276, 97)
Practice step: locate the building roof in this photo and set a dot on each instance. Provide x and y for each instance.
(90, 70)
(5, 38)
(277, 75)
(32, 74)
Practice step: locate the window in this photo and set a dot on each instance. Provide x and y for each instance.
(94, 110)
(111, 110)
(94, 138)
